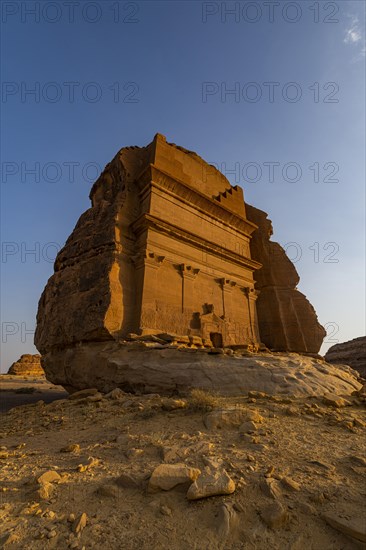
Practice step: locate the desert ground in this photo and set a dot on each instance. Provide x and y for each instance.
(16, 390)
(119, 471)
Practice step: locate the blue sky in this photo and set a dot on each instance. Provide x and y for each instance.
(109, 74)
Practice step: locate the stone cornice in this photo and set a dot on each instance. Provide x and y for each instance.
(155, 177)
(250, 292)
(227, 284)
(188, 272)
(147, 258)
(146, 221)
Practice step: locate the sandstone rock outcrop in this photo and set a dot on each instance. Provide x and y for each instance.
(165, 247)
(27, 365)
(352, 353)
(168, 247)
(287, 320)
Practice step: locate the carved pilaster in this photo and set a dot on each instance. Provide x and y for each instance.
(227, 286)
(251, 296)
(188, 274)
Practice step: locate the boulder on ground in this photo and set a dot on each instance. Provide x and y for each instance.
(168, 476)
(210, 483)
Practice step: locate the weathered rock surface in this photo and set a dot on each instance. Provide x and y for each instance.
(109, 365)
(287, 320)
(275, 515)
(168, 476)
(211, 483)
(355, 527)
(352, 353)
(27, 365)
(230, 418)
(166, 249)
(335, 401)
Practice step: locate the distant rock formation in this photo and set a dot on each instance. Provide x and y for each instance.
(352, 353)
(169, 246)
(287, 320)
(27, 365)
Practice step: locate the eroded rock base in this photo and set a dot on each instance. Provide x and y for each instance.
(147, 367)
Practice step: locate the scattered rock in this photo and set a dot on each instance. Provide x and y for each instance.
(275, 515)
(248, 427)
(318, 497)
(108, 490)
(117, 393)
(227, 521)
(271, 488)
(168, 476)
(72, 448)
(359, 460)
(306, 508)
(323, 465)
(292, 411)
(335, 400)
(81, 394)
(211, 483)
(94, 398)
(269, 472)
(80, 523)
(10, 538)
(354, 527)
(123, 439)
(254, 416)
(173, 453)
(257, 394)
(90, 463)
(230, 418)
(173, 404)
(48, 477)
(290, 484)
(134, 453)
(127, 481)
(201, 448)
(358, 422)
(165, 510)
(45, 490)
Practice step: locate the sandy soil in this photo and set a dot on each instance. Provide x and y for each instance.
(15, 391)
(92, 442)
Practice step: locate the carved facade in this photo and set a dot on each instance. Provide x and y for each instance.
(183, 251)
(169, 246)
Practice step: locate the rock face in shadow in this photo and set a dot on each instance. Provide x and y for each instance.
(27, 365)
(287, 320)
(169, 246)
(352, 353)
